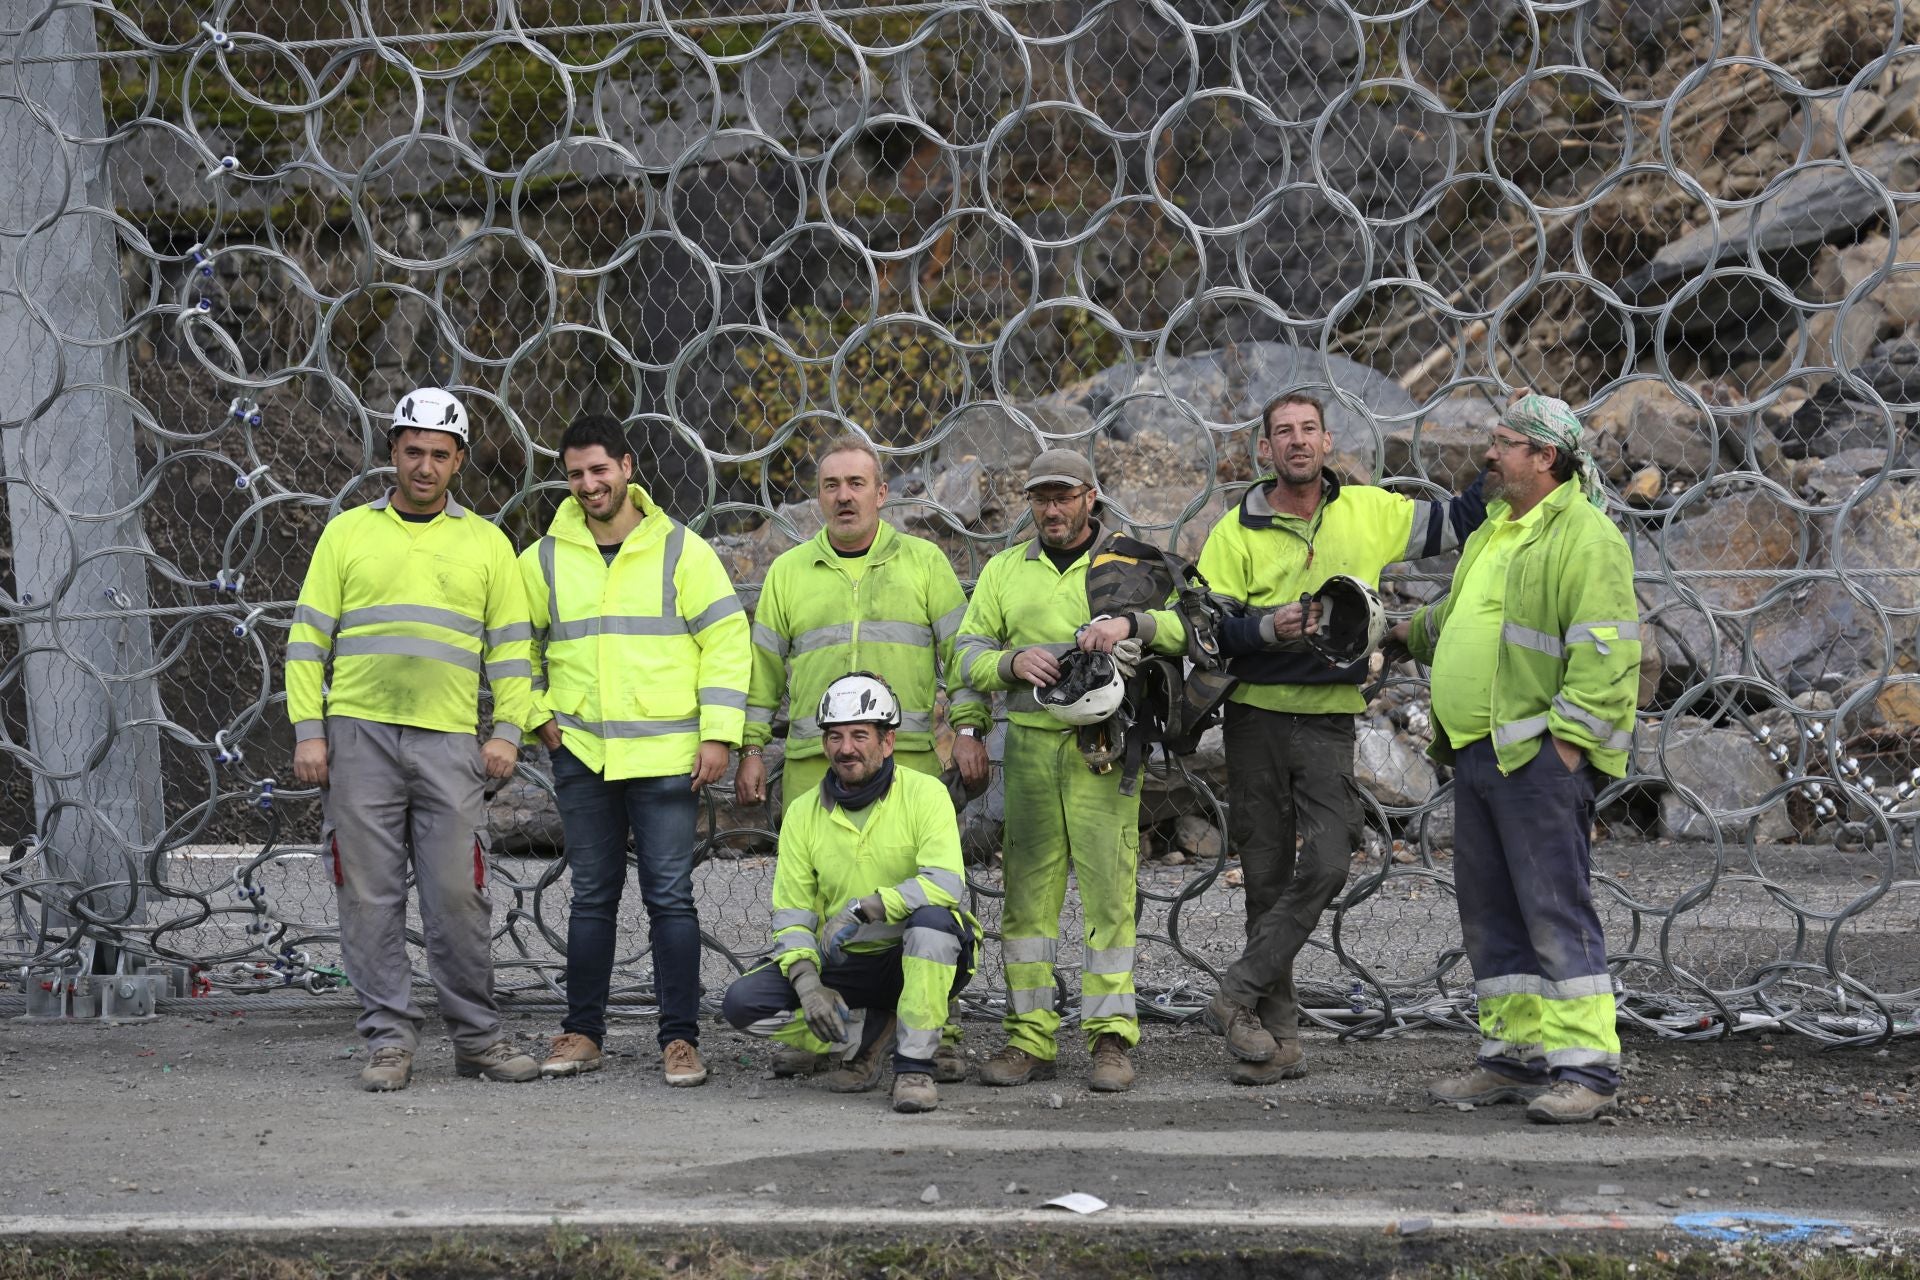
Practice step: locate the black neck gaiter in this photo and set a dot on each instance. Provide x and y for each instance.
(832, 793)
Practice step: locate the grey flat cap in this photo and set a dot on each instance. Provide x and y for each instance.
(1060, 466)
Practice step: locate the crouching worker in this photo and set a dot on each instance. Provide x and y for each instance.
(870, 940)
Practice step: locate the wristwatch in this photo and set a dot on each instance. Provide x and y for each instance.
(750, 751)
(970, 731)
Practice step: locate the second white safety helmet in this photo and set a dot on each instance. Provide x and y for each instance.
(1089, 690)
(431, 409)
(859, 698)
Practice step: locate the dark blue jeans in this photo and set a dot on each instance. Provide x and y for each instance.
(596, 815)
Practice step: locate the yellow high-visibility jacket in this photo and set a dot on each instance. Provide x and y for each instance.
(907, 851)
(640, 660)
(1022, 600)
(897, 620)
(411, 614)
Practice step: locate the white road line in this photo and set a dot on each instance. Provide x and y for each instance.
(688, 1217)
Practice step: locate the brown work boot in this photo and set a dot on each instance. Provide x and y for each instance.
(1274, 1016)
(1247, 1040)
(913, 1092)
(390, 1069)
(1112, 1067)
(862, 1073)
(1569, 1102)
(1287, 1063)
(1481, 1087)
(498, 1061)
(681, 1065)
(571, 1054)
(1013, 1066)
(949, 1064)
(789, 1062)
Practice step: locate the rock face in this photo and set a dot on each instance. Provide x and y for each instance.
(1727, 770)
(1194, 401)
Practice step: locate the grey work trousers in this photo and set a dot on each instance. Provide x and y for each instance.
(1287, 775)
(398, 796)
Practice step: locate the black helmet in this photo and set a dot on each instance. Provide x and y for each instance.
(1352, 620)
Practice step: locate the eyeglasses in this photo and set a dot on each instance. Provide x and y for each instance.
(1507, 444)
(1042, 502)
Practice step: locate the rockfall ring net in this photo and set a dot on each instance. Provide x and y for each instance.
(235, 234)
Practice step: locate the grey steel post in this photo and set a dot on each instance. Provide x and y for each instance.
(71, 441)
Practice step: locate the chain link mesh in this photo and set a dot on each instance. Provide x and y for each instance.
(969, 229)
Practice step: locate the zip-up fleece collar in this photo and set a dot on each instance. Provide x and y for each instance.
(885, 542)
(452, 510)
(1256, 510)
(570, 522)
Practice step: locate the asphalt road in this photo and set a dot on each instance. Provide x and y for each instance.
(223, 1123)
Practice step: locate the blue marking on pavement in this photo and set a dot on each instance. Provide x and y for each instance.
(1755, 1225)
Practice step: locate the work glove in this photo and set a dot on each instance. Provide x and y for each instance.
(1127, 655)
(826, 1013)
(841, 927)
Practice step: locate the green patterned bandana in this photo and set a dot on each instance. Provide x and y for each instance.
(1552, 421)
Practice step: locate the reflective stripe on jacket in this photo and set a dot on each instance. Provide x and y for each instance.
(815, 622)
(907, 851)
(640, 660)
(411, 615)
(1022, 600)
(1569, 657)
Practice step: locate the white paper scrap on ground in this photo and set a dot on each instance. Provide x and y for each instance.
(1078, 1201)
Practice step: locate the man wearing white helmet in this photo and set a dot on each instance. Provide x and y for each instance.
(874, 853)
(413, 598)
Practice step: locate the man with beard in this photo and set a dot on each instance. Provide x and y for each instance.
(1289, 733)
(640, 680)
(1030, 606)
(413, 598)
(873, 851)
(859, 595)
(1536, 657)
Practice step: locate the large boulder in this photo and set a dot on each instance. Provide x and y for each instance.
(1167, 795)
(1741, 531)
(1644, 423)
(1447, 444)
(522, 819)
(1727, 770)
(1812, 208)
(1390, 769)
(1881, 533)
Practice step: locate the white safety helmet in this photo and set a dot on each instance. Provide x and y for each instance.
(859, 698)
(431, 409)
(1352, 621)
(1089, 690)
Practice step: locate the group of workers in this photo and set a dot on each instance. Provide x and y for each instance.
(618, 642)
